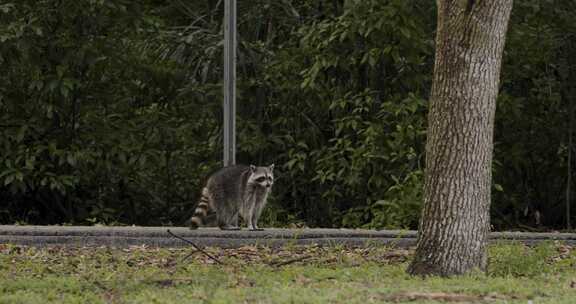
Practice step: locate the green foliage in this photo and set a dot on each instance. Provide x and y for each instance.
(350, 123)
(110, 111)
(532, 117)
(92, 128)
(402, 209)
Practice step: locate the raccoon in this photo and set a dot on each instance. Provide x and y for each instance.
(234, 191)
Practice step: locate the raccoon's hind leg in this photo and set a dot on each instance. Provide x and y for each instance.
(229, 224)
(228, 217)
(201, 212)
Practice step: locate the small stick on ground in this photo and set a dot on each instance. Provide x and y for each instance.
(196, 247)
(189, 255)
(294, 260)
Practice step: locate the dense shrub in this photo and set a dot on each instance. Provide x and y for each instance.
(110, 111)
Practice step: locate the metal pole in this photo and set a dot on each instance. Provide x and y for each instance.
(569, 165)
(229, 82)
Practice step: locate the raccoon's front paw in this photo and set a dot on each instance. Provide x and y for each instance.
(192, 225)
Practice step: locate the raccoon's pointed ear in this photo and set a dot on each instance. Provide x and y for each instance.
(252, 168)
(271, 167)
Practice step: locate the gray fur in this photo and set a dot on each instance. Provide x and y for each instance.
(234, 191)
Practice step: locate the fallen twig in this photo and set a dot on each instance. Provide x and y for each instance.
(195, 246)
(189, 255)
(239, 251)
(294, 260)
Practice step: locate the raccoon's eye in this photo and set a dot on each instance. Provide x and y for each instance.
(260, 179)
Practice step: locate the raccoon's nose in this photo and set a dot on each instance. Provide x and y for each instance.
(268, 185)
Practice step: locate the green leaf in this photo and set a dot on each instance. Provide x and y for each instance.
(405, 32)
(9, 179)
(71, 159)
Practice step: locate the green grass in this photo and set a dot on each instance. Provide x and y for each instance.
(517, 274)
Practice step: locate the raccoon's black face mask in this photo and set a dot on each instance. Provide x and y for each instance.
(262, 176)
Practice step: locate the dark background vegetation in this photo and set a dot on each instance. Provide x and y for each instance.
(110, 111)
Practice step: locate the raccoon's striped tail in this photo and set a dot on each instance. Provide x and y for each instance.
(201, 211)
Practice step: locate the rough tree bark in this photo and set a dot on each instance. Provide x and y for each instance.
(455, 219)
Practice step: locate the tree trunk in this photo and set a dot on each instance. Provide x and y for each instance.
(456, 220)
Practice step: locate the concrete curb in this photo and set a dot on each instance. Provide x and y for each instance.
(158, 236)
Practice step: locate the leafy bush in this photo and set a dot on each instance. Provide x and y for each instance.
(110, 111)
